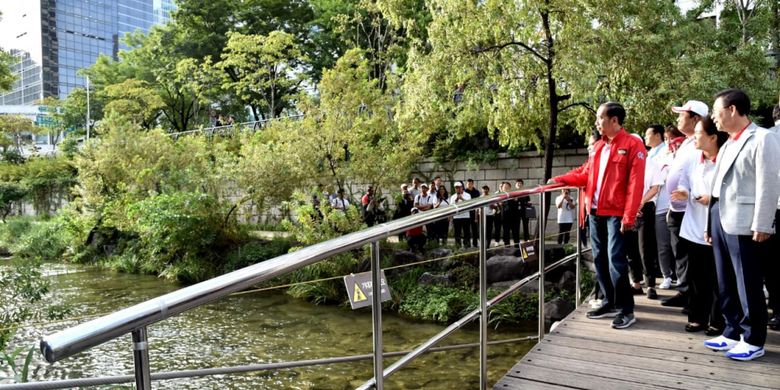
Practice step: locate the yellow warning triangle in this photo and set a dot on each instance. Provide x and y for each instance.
(358, 294)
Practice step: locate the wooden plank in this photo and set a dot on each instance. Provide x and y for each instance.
(736, 367)
(599, 371)
(575, 380)
(660, 341)
(660, 367)
(512, 383)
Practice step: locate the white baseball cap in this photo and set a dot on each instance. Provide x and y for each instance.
(694, 106)
(458, 184)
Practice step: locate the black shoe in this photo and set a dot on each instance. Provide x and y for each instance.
(602, 312)
(637, 291)
(694, 327)
(685, 311)
(774, 322)
(713, 331)
(651, 294)
(623, 321)
(679, 300)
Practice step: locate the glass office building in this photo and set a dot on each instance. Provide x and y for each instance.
(55, 38)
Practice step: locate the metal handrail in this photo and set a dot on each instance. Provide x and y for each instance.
(136, 318)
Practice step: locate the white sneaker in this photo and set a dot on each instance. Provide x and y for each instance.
(666, 284)
(594, 303)
(721, 343)
(745, 352)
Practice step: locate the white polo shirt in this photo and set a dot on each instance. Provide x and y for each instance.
(454, 200)
(697, 180)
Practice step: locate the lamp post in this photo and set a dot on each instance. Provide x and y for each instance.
(87, 122)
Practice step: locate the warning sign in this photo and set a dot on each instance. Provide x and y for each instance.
(360, 289)
(358, 295)
(527, 250)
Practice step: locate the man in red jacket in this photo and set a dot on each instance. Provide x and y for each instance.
(613, 178)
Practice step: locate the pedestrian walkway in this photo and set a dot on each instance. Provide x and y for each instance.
(655, 353)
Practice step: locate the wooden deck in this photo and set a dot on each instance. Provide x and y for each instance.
(654, 353)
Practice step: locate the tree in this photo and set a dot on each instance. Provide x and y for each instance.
(135, 99)
(7, 77)
(262, 71)
(347, 136)
(10, 193)
(16, 131)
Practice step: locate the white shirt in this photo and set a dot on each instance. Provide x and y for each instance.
(697, 180)
(454, 200)
(421, 200)
(653, 177)
(662, 201)
(565, 211)
(602, 168)
(339, 204)
(685, 154)
(730, 152)
(658, 153)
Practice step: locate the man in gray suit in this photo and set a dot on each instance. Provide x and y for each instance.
(769, 250)
(742, 212)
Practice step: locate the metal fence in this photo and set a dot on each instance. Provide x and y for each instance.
(135, 319)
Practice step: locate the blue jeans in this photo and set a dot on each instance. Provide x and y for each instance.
(609, 256)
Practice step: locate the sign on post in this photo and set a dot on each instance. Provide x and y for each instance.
(360, 289)
(528, 251)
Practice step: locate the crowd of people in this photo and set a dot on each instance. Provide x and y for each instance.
(503, 220)
(696, 205)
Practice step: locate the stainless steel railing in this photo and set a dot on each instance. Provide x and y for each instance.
(136, 318)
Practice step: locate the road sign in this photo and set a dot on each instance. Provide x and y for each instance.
(360, 289)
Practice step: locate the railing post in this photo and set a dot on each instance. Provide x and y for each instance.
(143, 378)
(484, 241)
(376, 311)
(542, 216)
(577, 290)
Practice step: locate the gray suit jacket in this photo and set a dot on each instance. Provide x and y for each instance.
(751, 183)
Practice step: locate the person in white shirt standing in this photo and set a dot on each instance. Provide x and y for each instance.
(660, 155)
(695, 185)
(461, 221)
(642, 243)
(687, 117)
(567, 206)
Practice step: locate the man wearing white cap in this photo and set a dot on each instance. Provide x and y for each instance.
(461, 221)
(687, 117)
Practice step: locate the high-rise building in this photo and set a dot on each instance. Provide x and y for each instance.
(53, 39)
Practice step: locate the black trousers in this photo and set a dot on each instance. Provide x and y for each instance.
(768, 252)
(474, 229)
(564, 230)
(462, 230)
(511, 225)
(491, 222)
(703, 302)
(631, 240)
(526, 233)
(679, 248)
(648, 248)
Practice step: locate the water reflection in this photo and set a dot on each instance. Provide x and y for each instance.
(256, 328)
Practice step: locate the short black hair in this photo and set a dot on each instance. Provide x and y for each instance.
(615, 110)
(469, 180)
(735, 97)
(657, 129)
(519, 181)
(486, 188)
(436, 177)
(776, 113)
(596, 135)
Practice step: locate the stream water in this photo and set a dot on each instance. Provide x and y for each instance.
(255, 328)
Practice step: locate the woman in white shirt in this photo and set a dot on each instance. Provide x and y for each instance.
(694, 186)
(566, 209)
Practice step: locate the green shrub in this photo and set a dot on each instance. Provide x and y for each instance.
(13, 229)
(255, 252)
(42, 242)
(437, 303)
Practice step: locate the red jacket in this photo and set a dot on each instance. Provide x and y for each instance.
(623, 183)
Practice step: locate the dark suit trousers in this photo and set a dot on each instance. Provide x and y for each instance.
(703, 302)
(740, 283)
(769, 250)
